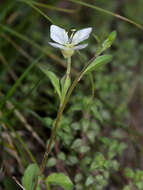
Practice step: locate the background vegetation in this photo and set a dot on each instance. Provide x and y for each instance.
(98, 145)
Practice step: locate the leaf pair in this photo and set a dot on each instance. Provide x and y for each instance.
(31, 175)
(65, 82)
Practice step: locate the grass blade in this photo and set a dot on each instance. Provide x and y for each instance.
(18, 82)
(107, 12)
(38, 10)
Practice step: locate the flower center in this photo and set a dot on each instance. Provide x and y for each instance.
(69, 45)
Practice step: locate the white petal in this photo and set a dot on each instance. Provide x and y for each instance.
(58, 34)
(81, 35)
(80, 46)
(57, 45)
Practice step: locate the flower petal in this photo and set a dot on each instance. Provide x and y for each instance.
(57, 45)
(80, 46)
(81, 35)
(58, 34)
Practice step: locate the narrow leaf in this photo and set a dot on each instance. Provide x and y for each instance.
(59, 179)
(53, 78)
(109, 41)
(98, 62)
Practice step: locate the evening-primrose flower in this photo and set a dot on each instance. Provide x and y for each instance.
(68, 44)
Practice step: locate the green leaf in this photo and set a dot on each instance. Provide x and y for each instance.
(76, 144)
(53, 78)
(109, 41)
(99, 179)
(139, 185)
(129, 173)
(91, 136)
(96, 113)
(51, 162)
(84, 149)
(78, 177)
(72, 160)
(98, 62)
(30, 177)
(127, 187)
(98, 161)
(115, 165)
(59, 179)
(61, 156)
(89, 181)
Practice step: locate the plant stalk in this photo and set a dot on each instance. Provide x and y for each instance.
(61, 109)
(68, 65)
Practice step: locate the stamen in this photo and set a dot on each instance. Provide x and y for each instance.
(73, 32)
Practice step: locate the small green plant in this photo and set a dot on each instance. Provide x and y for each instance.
(64, 88)
(135, 179)
(98, 112)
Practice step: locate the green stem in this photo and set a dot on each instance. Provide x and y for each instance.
(61, 109)
(69, 65)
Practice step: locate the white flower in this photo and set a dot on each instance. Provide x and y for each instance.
(68, 44)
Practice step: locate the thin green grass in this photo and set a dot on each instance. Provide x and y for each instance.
(31, 42)
(107, 12)
(18, 82)
(47, 6)
(31, 4)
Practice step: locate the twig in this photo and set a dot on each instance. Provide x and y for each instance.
(18, 183)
